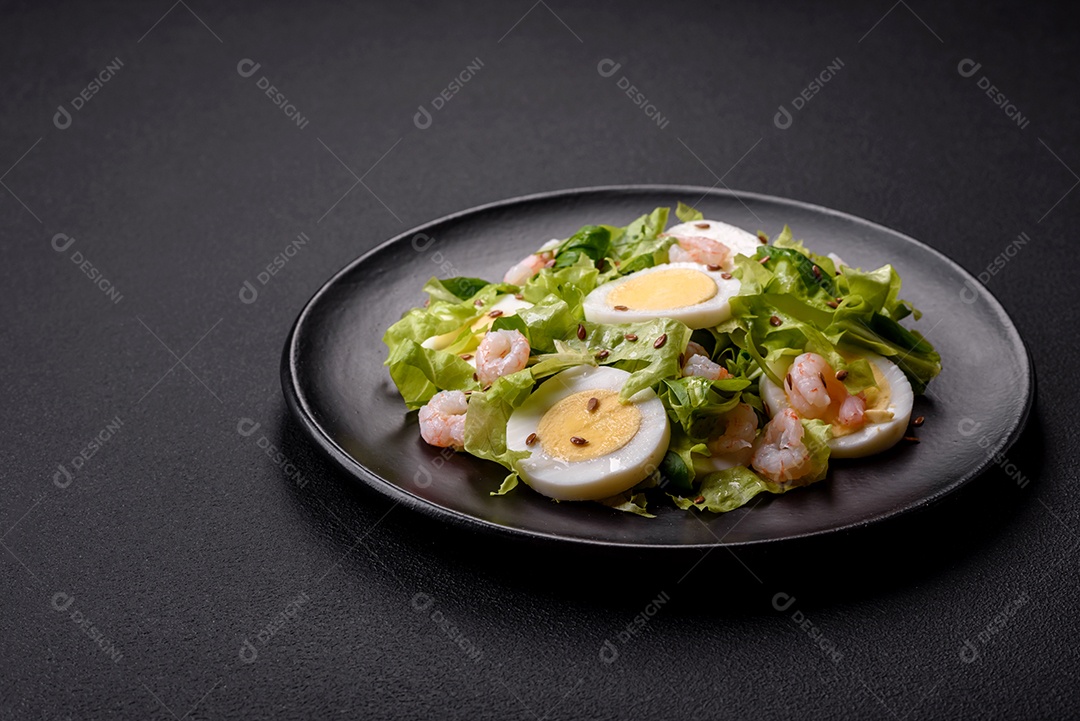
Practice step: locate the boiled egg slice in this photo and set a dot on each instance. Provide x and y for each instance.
(503, 305)
(740, 241)
(687, 292)
(887, 414)
(585, 445)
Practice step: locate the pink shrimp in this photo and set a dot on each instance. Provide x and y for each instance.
(814, 392)
(779, 453)
(851, 411)
(698, 249)
(698, 363)
(529, 266)
(501, 353)
(693, 349)
(739, 429)
(442, 420)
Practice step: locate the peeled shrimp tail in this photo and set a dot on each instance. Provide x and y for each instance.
(698, 249)
(442, 420)
(739, 430)
(780, 454)
(523, 270)
(501, 353)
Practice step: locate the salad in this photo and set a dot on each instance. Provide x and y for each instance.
(635, 366)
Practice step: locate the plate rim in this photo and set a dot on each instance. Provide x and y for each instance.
(300, 409)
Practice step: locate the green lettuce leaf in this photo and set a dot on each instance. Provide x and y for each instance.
(687, 214)
(786, 307)
(641, 246)
(570, 284)
(724, 491)
(635, 503)
(592, 242)
(816, 437)
(696, 403)
(455, 290)
(419, 373)
(647, 364)
(677, 468)
(485, 423)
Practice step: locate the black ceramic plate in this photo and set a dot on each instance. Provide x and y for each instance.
(338, 389)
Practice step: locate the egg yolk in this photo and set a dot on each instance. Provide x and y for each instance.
(878, 399)
(877, 404)
(664, 289)
(579, 429)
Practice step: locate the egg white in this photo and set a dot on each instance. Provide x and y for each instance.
(597, 478)
(873, 437)
(706, 314)
(740, 241)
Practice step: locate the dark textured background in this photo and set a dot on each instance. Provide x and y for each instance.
(180, 180)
